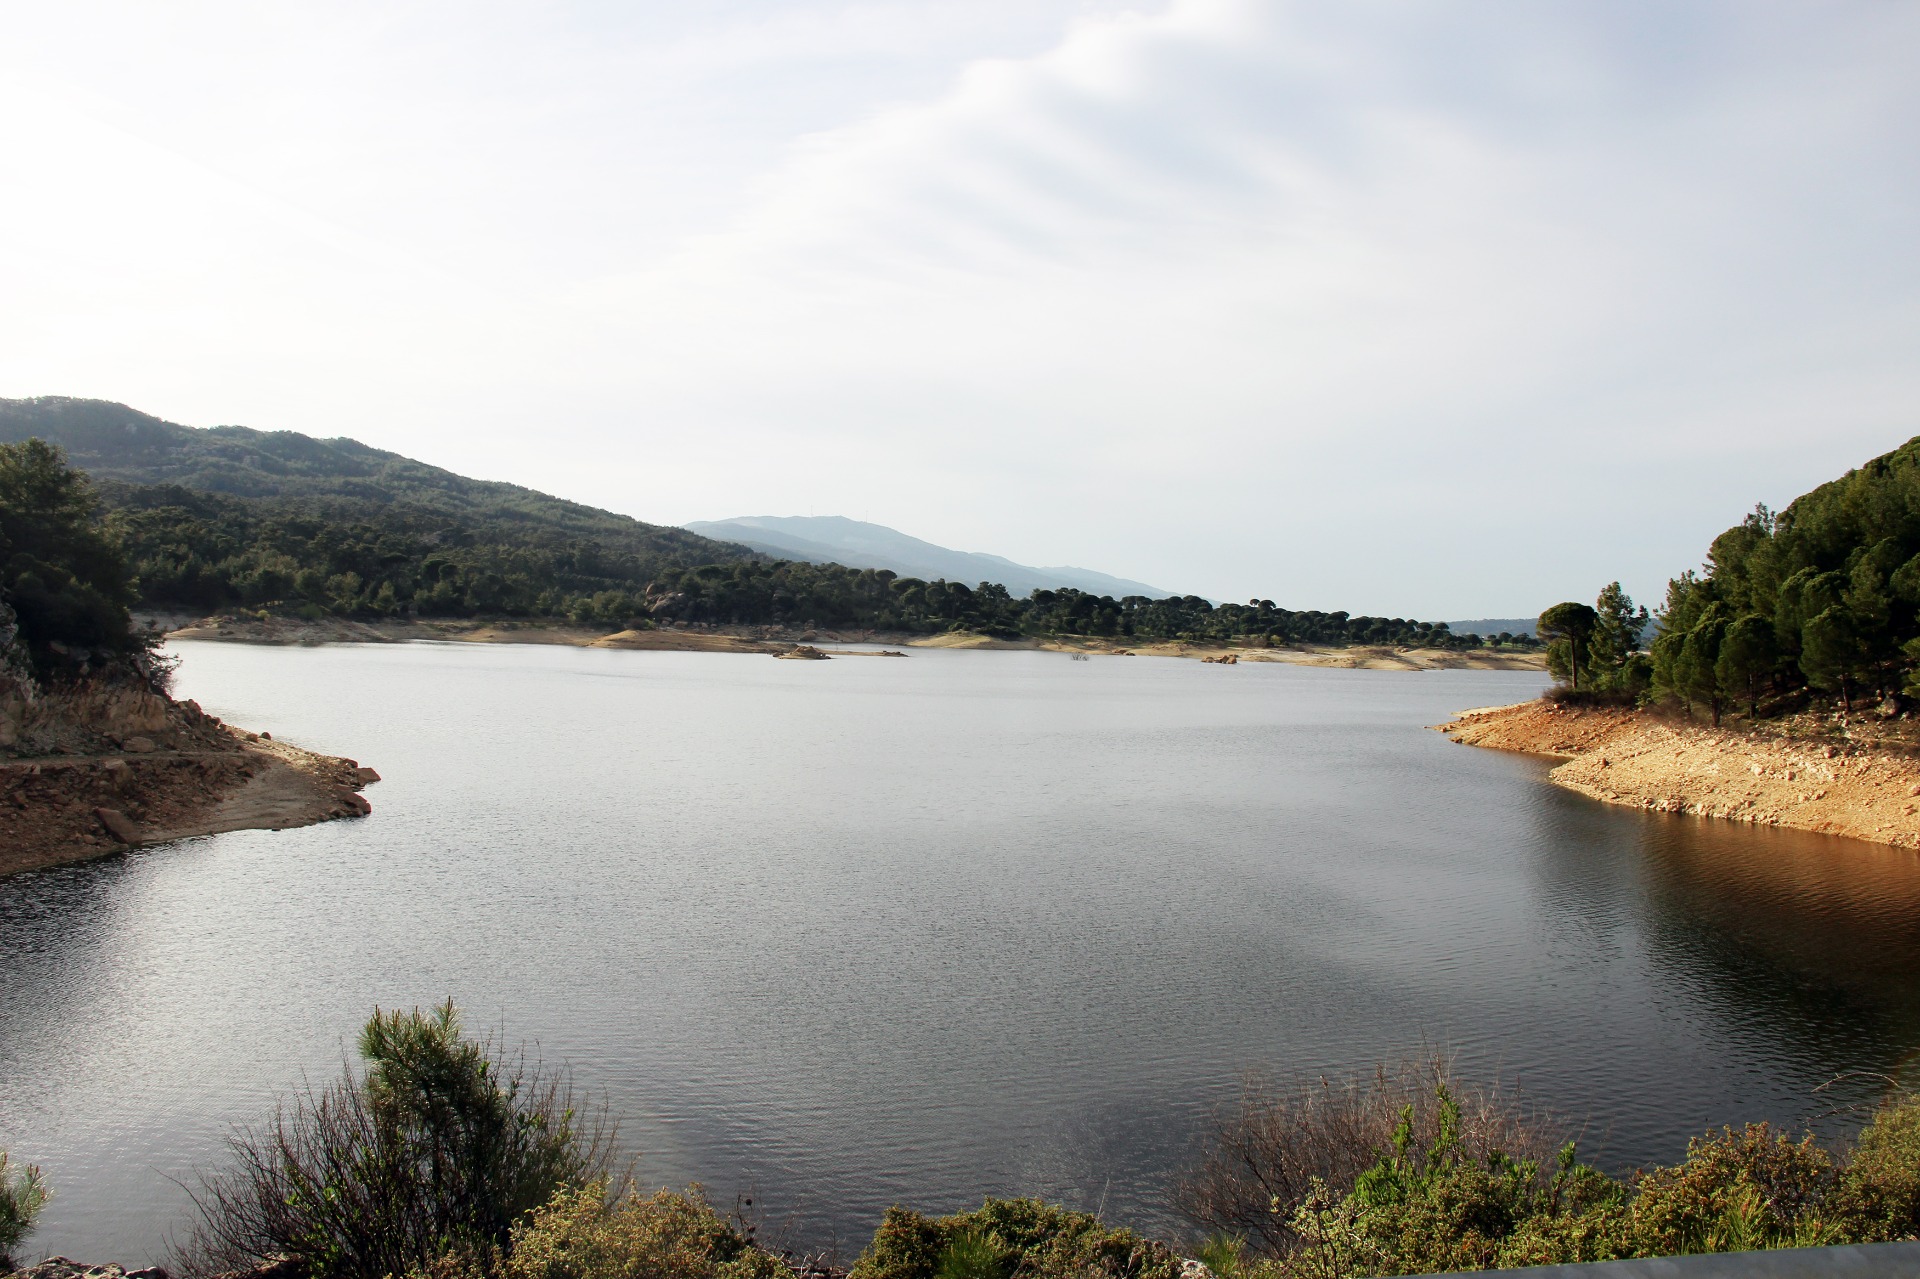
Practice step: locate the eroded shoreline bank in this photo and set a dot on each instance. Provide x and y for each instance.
(1652, 762)
(89, 771)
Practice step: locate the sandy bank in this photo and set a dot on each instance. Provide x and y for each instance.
(1358, 657)
(1651, 762)
(765, 640)
(298, 631)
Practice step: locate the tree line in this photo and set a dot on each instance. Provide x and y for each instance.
(790, 594)
(1819, 599)
(316, 555)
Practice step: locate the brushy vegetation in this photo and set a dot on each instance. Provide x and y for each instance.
(1459, 1184)
(438, 1147)
(439, 1160)
(1005, 1238)
(22, 1194)
(1280, 1146)
(583, 1234)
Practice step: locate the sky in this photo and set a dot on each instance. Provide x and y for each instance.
(1419, 309)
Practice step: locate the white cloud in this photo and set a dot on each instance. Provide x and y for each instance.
(1415, 308)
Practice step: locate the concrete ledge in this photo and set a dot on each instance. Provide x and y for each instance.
(1856, 1261)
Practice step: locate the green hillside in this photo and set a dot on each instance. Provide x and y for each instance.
(1824, 595)
(231, 516)
(113, 442)
(228, 517)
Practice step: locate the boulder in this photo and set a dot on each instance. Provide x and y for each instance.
(365, 776)
(118, 825)
(139, 746)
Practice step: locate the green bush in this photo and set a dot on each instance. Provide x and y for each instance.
(1449, 1207)
(1879, 1195)
(1737, 1192)
(579, 1234)
(1446, 1208)
(1281, 1147)
(1004, 1238)
(22, 1195)
(436, 1151)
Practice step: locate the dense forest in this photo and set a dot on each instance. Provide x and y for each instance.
(230, 518)
(1820, 598)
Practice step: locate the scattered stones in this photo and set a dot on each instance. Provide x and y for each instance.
(66, 1268)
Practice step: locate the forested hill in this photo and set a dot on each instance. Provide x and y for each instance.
(225, 516)
(228, 518)
(113, 442)
(1825, 594)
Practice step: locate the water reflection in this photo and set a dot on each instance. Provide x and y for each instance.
(849, 933)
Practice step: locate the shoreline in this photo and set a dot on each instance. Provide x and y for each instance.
(1642, 760)
(778, 642)
(94, 771)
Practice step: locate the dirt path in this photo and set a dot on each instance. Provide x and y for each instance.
(1647, 761)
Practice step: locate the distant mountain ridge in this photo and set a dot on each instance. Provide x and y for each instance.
(835, 539)
(1494, 625)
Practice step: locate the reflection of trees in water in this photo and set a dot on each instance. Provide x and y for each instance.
(1803, 948)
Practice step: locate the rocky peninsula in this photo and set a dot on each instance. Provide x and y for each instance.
(1833, 785)
(98, 767)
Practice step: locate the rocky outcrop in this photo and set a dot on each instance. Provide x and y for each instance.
(91, 716)
(1651, 762)
(803, 653)
(64, 1268)
(98, 767)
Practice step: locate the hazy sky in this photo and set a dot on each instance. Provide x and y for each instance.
(1430, 309)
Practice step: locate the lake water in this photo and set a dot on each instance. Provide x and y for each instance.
(840, 934)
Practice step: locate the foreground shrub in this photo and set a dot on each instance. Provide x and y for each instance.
(1443, 1192)
(22, 1195)
(1005, 1238)
(1737, 1192)
(436, 1151)
(1449, 1207)
(579, 1234)
(1280, 1146)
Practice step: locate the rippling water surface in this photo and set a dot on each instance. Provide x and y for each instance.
(846, 933)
